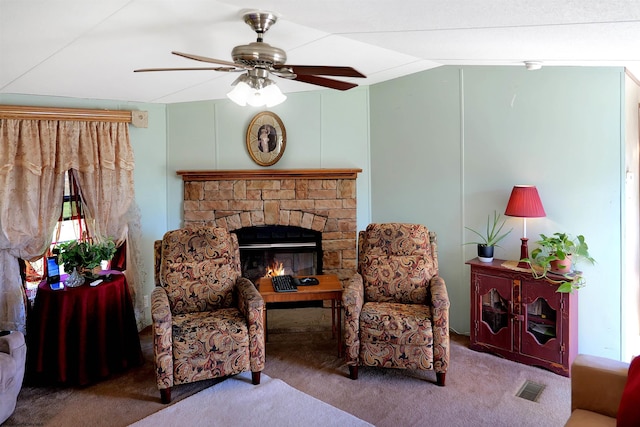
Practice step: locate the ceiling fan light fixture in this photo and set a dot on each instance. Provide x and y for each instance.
(240, 92)
(256, 99)
(256, 91)
(272, 95)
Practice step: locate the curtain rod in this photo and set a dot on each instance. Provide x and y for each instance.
(137, 118)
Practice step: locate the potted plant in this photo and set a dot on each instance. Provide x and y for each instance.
(556, 257)
(490, 238)
(81, 257)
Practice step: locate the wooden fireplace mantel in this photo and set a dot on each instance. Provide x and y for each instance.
(219, 175)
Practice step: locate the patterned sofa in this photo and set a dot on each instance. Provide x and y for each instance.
(207, 320)
(396, 305)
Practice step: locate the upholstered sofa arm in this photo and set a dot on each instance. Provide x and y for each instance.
(13, 354)
(439, 302)
(12, 362)
(162, 338)
(597, 384)
(13, 344)
(352, 301)
(251, 304)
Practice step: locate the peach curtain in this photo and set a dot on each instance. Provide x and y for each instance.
(34, 155)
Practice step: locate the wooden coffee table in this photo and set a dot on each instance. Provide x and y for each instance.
(329, 288)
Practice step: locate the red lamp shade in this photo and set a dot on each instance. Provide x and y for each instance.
(525, 202)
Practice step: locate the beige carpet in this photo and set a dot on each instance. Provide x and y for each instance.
(237, 402)
(480, 391)
(481, 388)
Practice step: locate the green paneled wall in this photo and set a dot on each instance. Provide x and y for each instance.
(447, 146)
(442, 147)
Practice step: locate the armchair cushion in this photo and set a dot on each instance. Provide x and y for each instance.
(393, 278)
(198, 278)
(203, 286)
(395, 239)
(629, 409)
(222, 345)
(398, 324)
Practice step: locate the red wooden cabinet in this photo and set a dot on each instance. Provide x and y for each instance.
(522, 318)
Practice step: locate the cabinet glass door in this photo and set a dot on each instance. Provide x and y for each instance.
(493, 308)
(495, 311)
(540, 332)
(541, 320)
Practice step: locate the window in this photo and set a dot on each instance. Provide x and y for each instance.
(70, 226)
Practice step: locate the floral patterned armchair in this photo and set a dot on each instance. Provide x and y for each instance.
(396, 305)
(207, 320)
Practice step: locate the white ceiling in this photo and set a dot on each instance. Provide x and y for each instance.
(89, 48)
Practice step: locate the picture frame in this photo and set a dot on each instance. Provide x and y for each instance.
(266, 138)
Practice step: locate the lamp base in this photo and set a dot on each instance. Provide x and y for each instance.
(524, 253)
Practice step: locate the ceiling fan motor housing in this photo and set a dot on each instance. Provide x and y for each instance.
(259, 53)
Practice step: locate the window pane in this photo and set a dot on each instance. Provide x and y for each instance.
(71, 226)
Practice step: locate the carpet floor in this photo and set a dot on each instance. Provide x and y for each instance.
(237, 402)
(481, 388)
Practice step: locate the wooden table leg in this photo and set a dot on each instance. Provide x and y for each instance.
(333, 318)
(339, 304)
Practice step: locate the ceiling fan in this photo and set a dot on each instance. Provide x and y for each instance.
(259, 59)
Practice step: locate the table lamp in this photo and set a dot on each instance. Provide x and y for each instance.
(524, 203)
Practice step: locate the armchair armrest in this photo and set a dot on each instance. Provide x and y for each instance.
(597, 384)
(352, 301)
(439, 302)
(12, 364)
(13, 353)
(12, 344)
(157, 258)
(251, 304)
(162, 337)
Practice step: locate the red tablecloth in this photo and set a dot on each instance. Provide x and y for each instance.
(83, 334)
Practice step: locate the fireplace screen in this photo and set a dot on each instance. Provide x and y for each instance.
(272, 250)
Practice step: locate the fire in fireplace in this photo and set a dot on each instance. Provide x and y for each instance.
(276, 249)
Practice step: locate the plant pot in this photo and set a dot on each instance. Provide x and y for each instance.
(561, 266)
(75, 279)
(485, 253)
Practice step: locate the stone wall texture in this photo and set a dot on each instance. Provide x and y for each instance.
(325, 205)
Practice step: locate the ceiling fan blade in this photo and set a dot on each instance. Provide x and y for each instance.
(211, 60)
(139, 70)
(323, 81)
(322, 70)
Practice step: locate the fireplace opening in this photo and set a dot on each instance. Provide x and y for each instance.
(277, 249)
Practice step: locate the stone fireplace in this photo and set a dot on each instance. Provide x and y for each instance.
(320, 200)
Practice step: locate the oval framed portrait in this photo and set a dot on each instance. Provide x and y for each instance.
(266, 138)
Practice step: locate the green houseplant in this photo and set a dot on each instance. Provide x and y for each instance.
(490, 238)
(555, 258)
(84, 256)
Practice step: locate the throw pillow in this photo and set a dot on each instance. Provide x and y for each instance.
(629, 409)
